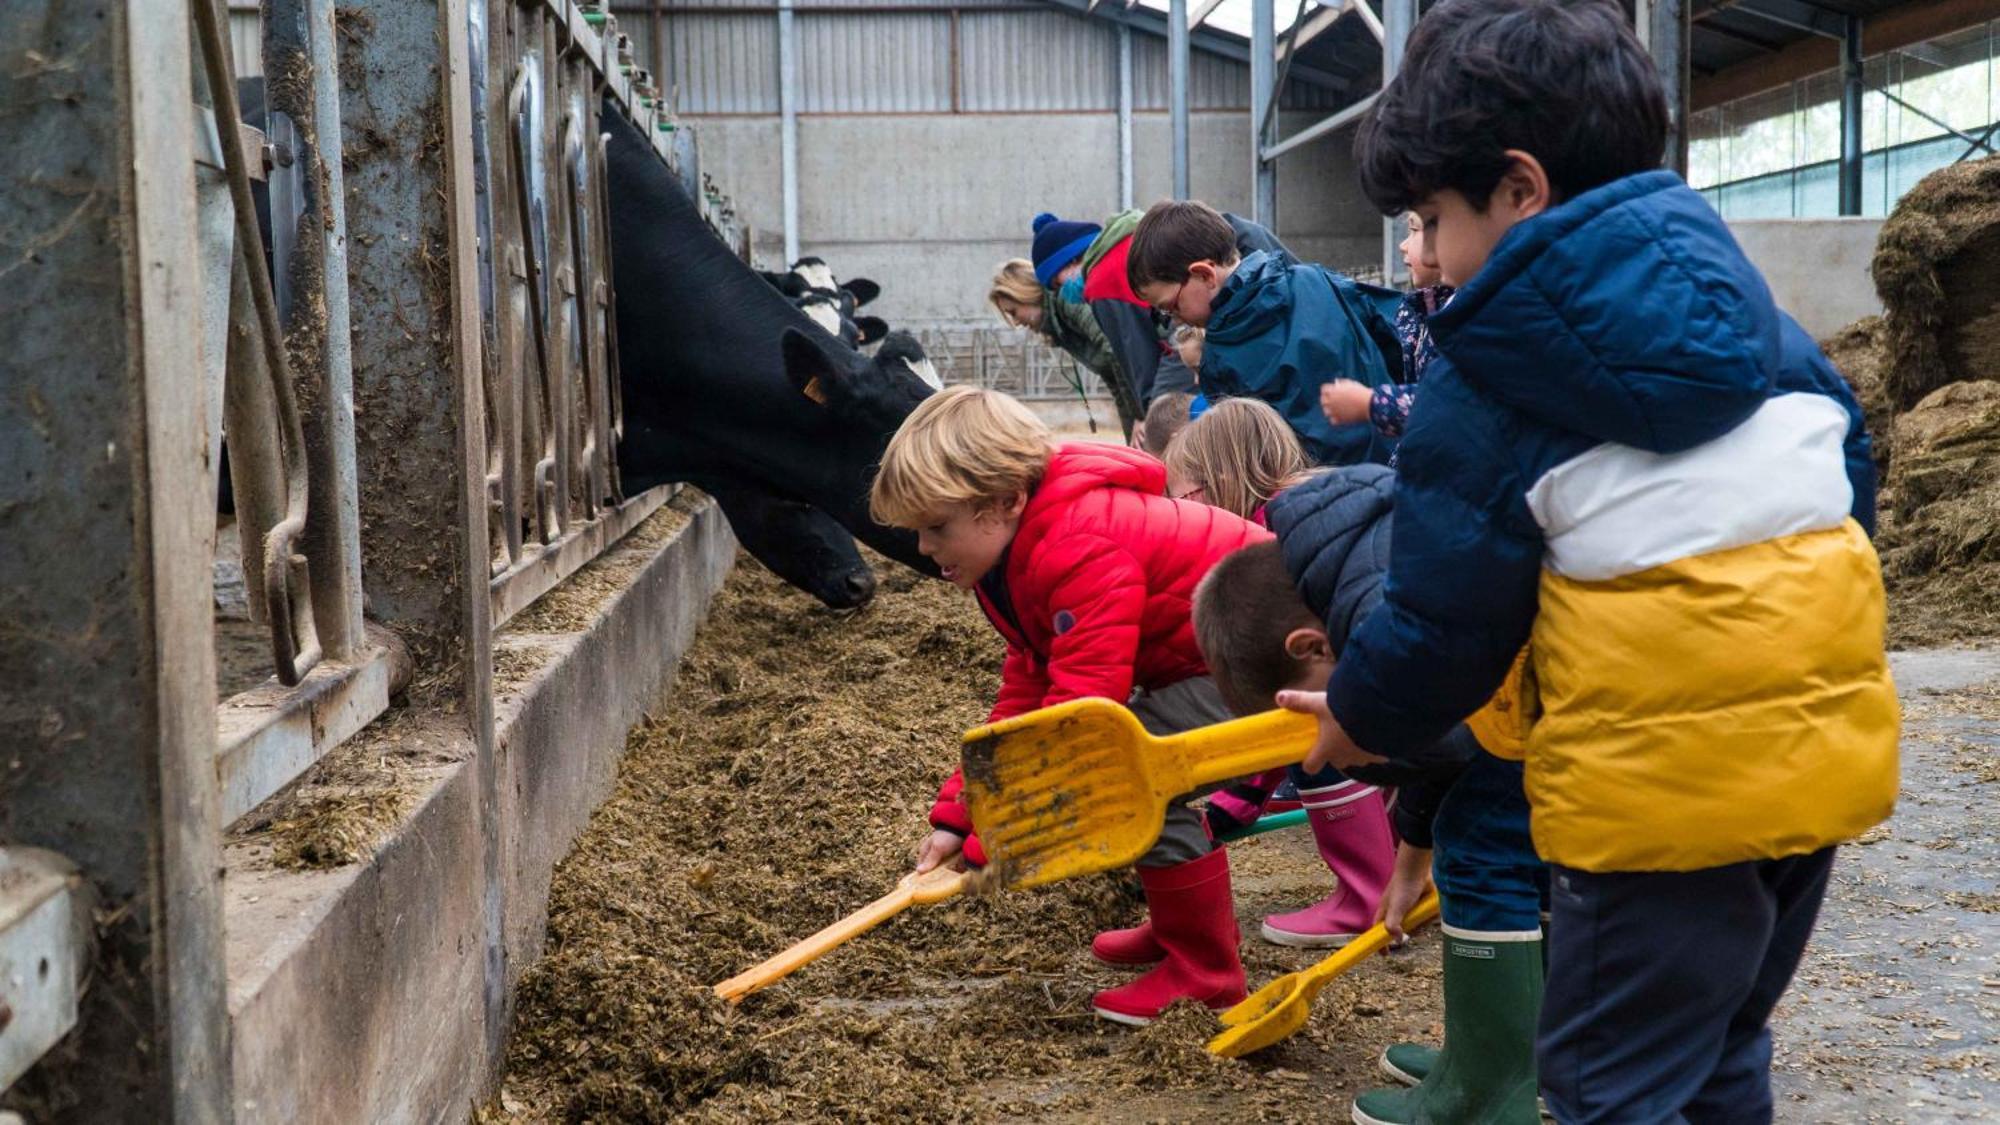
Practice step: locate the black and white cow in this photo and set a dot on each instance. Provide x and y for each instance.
(729, 387)
(831, 303)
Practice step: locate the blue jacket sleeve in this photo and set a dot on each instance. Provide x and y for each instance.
(1464, 571)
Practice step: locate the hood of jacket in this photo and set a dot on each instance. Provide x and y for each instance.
(1334, 532)
(1627, 314)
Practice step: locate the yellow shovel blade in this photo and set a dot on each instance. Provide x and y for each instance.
(1278, 1009)
(1081, 787)
(935, 885)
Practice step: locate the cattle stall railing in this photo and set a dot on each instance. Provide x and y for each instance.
(376, 294)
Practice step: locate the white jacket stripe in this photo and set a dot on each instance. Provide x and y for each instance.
(1615, 510)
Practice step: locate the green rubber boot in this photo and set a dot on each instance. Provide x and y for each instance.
(1409, 1063)
(1486, 1073)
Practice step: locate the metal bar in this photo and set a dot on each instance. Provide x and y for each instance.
(1368, 17)
(1667, 38)
(1320, 129)
(1202, 11)
(1981, 142)
(1756, 42)
(286, 577)
(1851, 86)
(1306, 29)
(542, 568)
(299, 55)
(1797, 17)
(106, 578)
(269, 735)
(1125, 187)
(465, 498)
(1177, 92)
(1963, 136)
(1157, 24)
(956, 63)
(1263, 87)
(788, 127)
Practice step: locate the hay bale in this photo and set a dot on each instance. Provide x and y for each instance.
(1860, 352)
(1937, 269)
(1948, 479)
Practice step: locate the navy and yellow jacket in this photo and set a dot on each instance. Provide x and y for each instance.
(1628, 456)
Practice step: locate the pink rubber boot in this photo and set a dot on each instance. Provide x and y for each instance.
(1350, 823)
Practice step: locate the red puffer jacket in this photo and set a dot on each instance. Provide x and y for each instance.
(1098, 588)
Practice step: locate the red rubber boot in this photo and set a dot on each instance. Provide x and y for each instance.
(1136, 946)
(1194, 920)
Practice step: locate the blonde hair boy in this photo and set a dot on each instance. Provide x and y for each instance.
(963, 445)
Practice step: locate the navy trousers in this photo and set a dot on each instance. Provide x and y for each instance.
(1661, 984)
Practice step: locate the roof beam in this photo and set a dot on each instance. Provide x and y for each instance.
(1793, 14)
(1202, 11)
(1756, 41)
(1215, 43)
(1891, 30)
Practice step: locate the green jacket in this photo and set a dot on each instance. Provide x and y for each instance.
(1071, 326)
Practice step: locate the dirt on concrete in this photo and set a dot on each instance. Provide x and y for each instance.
(784, 784)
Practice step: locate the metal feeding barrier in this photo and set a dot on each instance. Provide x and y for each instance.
(391, 289)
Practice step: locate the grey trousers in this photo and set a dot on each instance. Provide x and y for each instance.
(1171, 710)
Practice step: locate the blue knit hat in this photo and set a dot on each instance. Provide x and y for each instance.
(1058, 243)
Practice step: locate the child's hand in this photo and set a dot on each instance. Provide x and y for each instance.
(1412, 877)
(1344, 401)
(1334, 747)
(941, 847)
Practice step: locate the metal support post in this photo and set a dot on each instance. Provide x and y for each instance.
(106, 516)
(1263, 82)
(1399, 18)
(788, 127)
(1177, 91)
(1851, 87)
(417, 377)
(303, 97)
(1662, 25)
(1125, 189)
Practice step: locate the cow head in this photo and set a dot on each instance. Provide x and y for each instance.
(799, 543)
(870, 395)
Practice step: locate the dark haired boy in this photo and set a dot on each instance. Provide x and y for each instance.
(1628, 458)
(1273, 616)
(1136, 333)
(1275, 328)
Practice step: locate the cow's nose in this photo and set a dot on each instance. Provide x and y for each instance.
(860, 586)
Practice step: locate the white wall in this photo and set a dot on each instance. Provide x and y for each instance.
(928, 204)
(1816, 268)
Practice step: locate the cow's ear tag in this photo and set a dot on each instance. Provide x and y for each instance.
(814, 391)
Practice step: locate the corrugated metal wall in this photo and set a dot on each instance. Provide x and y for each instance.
(898, 62)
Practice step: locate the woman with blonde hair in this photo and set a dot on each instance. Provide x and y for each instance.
(1236, 456)
(1023, 302)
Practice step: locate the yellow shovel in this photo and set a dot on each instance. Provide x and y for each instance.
(935, 885)
(1280, 1008)
(1081, 787)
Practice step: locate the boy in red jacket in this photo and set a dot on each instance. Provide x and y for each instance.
(1088, 570)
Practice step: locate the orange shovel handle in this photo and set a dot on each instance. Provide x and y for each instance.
(934, 885)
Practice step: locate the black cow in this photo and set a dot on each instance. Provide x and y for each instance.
(729, 387)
